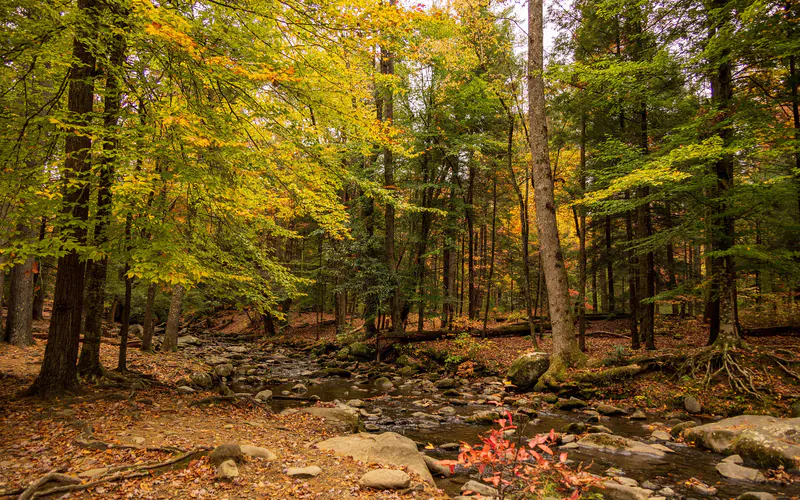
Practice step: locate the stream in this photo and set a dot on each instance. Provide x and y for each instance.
(416, 408)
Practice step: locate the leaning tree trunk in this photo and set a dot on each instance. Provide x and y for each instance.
(565, 348)
(59, 366)
(173, 320)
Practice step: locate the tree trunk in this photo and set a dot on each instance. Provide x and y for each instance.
(633, 282)
(20, 304)
(612, 307)
(89, 363)
(39, 279)
(565, 348)
(173, 320)
(122, 359)
(472, 307)
(491, 257)
(149, 319)
(59, 366)
(580, 227)
(723, 234)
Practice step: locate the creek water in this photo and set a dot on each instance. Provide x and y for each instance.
(411, 408)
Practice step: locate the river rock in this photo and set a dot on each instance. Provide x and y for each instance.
(739, 473)
(216, 360)
(733, 459)
(185, 340)
(692, 405)
(387, 448)
(639, 415)
(756, 495)
(480, 488)
(304, 472)
(227, 470)
(264, 396)
(610, 443)
(223, 370)
(613, 490)
(678, 428)
(385, 479)
(769, 441)
(257, 452)
(225, 452)
(299, 388)
(383, 384)
(483, 417)
(185, 389)
(202, 379)
(446, 383)
(608, 410)
(435, 467)
(342, 416)
(661, 436)
(572, 403)
(360, 351)
(703, 488)
(526, 370)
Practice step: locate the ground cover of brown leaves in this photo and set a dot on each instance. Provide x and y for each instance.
(40, 436)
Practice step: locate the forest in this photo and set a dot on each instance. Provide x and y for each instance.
(538, 250)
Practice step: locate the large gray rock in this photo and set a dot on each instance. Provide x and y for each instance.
(227, 470)
(480, 488)
(766, 440)
(264, 396)
(225, 452)
(185, 340)
(619, 445)
(388, 448)
(341, 416)
(435, 467)
(613, 490)
(258, 452)
(756, 495)
(739, 473)
(223, 370)
(385, 479)
(304, 472)
(692, 405)
(202, 379)
(526, 369)
(607, 409)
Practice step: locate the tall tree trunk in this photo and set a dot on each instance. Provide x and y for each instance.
(722, 231)
(633, 281)
(580, 227)
(671, 273)
(491, 257)
(20, 304)
(39, 278)
(472, 309)
(609, 266)
(89, 363)
(450, 247)
(173, 320)
(59, 366)
(122, 359)
(149, 319)
(645, 230)
(565, 347)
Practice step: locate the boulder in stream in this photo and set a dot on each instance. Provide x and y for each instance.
(768, 441)
(619, 445)
(526, 369)
(385, 479)
(342, 416)
(388, 448)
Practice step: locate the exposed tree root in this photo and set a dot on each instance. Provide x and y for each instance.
(720, 359)
(122, 473)
(780, 362)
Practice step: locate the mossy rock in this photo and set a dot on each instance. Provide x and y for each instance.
(526, 370)
(361, 351)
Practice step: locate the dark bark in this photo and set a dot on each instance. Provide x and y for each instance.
(59, 366)
(39, 278)
(633, 285)
(609, 266)
(491, 257)
(19, 326)
(89, 362)
(149, 319)
(173, 320)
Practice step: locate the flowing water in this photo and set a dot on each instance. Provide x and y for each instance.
(415, 412)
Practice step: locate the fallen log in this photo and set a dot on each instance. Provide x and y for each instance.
(515, 329)
(771, 331)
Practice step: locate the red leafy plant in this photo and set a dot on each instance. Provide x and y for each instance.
(524, 468)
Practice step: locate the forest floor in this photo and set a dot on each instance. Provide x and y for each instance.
(608, 344)
(153, 424)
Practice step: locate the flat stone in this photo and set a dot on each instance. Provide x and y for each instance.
(387, 448)
(739, 473)
(216, 360)
(678, 428)
(768, 441)
(734, 459)
(435, 467)
(570, 404)
(342, 415)
(756, 495)
(612, 490)
(479, 488)
(304, 472)
(610, 443)
(93, 473)
(639, 415)
(258, 452)
(661, 435)
(607, 409)
(385, 479)
(227, 470)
